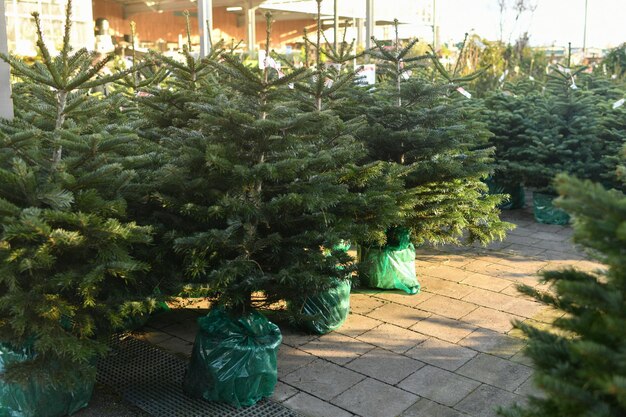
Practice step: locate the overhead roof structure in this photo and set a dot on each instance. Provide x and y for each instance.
(291, 9)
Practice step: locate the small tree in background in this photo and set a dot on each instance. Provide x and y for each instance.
(68, 273)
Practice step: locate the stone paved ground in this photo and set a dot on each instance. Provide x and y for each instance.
(449, 351)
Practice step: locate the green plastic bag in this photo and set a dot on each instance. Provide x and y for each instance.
(233, 358)
(545, 212)
(38, 399)
(392, 266)
(517, 197)
(329, 309)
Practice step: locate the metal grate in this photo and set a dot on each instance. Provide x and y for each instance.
(151, 379)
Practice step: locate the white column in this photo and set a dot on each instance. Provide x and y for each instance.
(6, 104)
(370, 23)
(205, 14)
(250, 15)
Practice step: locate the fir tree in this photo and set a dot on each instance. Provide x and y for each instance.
(68, 275)
(414, 123)
(258, 203)
(566, 134)
(580, 367)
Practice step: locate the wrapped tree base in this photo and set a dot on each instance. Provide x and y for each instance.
(233, 358)
(392, 266)
(545, 212)
(35, 398)
(328, 310)
(517, 197)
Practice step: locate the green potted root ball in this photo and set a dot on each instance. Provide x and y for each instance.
(391, 266)
(233, 358)
(36, 397)
(515, 191)
(545, 212)
(326, 310)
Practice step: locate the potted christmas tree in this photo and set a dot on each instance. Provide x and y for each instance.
(415, 123)
(68, 271)
(565, 130)
(258, 182)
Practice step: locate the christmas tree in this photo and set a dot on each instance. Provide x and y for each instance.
(68, 270)
(259, 181)
(416, 123)
(580, 366)
(571, 129)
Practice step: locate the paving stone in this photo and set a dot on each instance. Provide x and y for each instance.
(529, 388)
(186, 330)
(371, 398)
(486, 282)
(428, 408)
(498, 301)
(496, 371)
(485, 401)
(323, 379)
(547, 315)
(439, 385)
(494, 343)
(357, 324)
(449, 273)
(385, 366)
(314, 407)
(444, 328)
(399, 315)
(283, 392)
(476, 266)
(290, 359)
(442, 354)
(364, 303)
(448, 307)
(524, 240)
(505, 271)
(176, 345)
(554, 237)
(455, 261)
(295, 337)
(514, 292)
(491, 319)
(526, 250)
(337, 348)
(520, 357)
(444, 287)
(393, 338)
(401, 297)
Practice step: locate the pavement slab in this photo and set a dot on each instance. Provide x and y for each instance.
(443, 354)
(439, 385)
(371, 398)
(501, 373)
(385, 366)
(485, 401)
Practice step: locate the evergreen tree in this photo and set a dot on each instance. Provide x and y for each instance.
(581, 367)
(68, 273)
(415, 123)
(566, 134)
(258, 203)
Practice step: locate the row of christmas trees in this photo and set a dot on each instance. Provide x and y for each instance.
(574, 123)
(208, 177)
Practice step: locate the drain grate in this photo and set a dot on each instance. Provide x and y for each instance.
(151, 379)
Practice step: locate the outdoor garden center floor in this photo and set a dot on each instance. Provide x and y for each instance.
(449, 351)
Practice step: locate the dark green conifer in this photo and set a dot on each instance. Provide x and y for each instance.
(68, 272)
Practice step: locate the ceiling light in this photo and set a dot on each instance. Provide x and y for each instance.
(234, 9)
